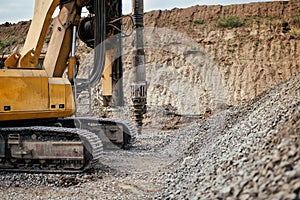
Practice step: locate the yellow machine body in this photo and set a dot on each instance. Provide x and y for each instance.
(29, 91)
(37, 130)
(31, 94)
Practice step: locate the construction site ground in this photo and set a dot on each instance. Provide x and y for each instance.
(223, 117)
(250, 151)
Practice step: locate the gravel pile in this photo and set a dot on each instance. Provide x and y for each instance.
(251, 151)
(247, 152)
(46, 180)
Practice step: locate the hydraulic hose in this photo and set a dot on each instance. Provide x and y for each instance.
(99, 44)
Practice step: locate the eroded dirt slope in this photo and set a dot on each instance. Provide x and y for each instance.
(206, 57)
(241, 51)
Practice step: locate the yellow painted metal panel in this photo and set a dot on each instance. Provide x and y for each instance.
(6, 116)
(57, 96)
(60, 43)
(12, 60)
(70, 105)
(61, 94)
(26, 93)
(22, 73)
(23, 90)
(107, 75)
(43, 11)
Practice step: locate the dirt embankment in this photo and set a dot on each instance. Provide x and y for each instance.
(207, 57)
(12, 36)
(247, 48)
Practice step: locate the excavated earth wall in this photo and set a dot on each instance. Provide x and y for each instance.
(205, 58)
(197, 63)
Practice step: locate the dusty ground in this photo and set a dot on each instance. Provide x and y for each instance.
(249, 151)
(243, 85)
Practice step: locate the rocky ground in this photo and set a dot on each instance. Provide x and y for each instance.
(241, 86)
(250, 151)
(246, 152)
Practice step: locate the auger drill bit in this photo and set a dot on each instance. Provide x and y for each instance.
(139, 86)
(139, 103)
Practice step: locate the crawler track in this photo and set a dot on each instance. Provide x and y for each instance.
(74, 147)
(16, 154)
(103, 127)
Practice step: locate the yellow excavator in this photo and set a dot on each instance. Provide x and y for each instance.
(38, 130)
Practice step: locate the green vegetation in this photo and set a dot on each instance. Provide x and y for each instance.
(226, 10)
(242, 36)
(88, 50)
(296, 20)
(232, 47)
(4, 44)
(23, 40)
(47, 39)
(13, 41)
(184, 23)
(270, 38)
(199, 22)
(230, 22)
(272, 18)
(1, 44)
(295, 32)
